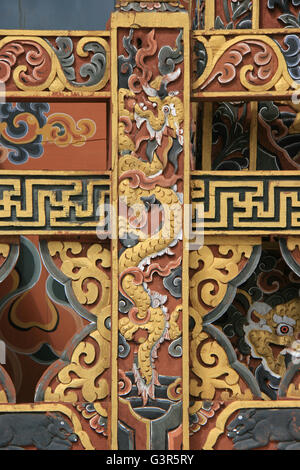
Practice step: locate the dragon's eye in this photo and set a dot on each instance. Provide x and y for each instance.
(284, 329)
(166, 109)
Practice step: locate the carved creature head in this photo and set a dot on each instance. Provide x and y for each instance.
(161, 116)
(271, 332)
(241, 424)
(60, 428)
(162, 111)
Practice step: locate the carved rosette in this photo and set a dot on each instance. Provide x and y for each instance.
(151, 6)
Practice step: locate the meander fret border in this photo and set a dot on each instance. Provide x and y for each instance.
(91, 187)
(282, 184)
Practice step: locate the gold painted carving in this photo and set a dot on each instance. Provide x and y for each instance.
(146, 317)
(293, 390)
(83, 372)
(38, 209)
(209, 362)
(4, 249)
(91, 358)
(292, 243)
(83, 269)
(216, 267)
(246, 202)
(227, 63)
(217, 46)
(75, 133)
(54, 79)
(280, 327)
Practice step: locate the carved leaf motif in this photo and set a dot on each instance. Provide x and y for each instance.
(82, 377)
(209, 284)
(211, 365)
(91, 284)
(290, 20)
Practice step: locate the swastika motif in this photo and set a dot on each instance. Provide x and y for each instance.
(260, 202)
(39, 202)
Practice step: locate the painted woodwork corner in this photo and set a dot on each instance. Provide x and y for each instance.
(244, 425)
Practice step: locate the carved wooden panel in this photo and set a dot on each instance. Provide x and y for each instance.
(150, 253)
(41, 64)
(153, 82)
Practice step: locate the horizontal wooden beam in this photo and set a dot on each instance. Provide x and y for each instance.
(241, 203)
(54, 202)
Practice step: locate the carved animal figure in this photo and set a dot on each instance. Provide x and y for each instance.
(43, 431)
(273, 329)
(254, 428)
(147, 110)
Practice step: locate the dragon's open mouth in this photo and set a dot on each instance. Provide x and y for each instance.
(276, 350)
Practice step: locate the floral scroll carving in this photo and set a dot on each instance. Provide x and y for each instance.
(216, 272)
(246, 64)
(81, 375)
(35, 64)
(245, 346)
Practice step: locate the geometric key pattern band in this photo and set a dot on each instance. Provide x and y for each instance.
(39, 202)
(231, 202)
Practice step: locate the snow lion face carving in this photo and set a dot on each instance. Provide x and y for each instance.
(271, 333)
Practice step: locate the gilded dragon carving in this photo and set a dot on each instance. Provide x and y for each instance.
(156, 114)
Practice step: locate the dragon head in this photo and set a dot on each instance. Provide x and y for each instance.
(271, 332)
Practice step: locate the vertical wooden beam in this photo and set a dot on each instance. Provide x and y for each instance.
(210, 14)
(114, 239)
(253, 136)
(134, 33)
(186, 254)
(255, 14)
